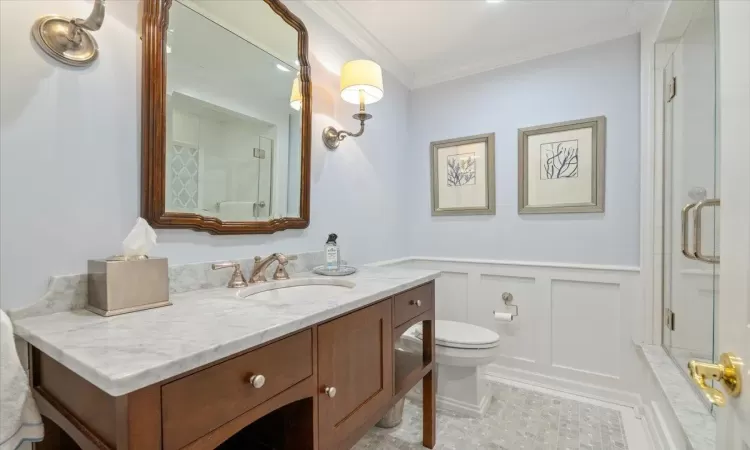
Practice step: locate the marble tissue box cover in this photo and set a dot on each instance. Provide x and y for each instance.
(69, 292)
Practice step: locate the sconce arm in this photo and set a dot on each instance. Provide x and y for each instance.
(94, 21)
(332, 137)
(343, 134)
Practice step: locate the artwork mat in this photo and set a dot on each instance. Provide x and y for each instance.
(598, 142)
(489, 175)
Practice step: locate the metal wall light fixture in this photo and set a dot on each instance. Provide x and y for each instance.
(68, 40)
(361, 82)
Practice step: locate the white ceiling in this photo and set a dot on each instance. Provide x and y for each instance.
(206, 57)
(253, 21)
(424, 42)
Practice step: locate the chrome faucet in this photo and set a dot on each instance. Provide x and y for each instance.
(258, 274)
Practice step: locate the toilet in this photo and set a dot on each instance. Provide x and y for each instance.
(462, 351)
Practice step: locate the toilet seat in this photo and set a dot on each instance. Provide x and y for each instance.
(461, 335)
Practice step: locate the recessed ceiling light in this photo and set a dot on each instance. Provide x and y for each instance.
(495, 1)
(282, 68)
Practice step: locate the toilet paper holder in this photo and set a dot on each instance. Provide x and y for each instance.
(508, 299)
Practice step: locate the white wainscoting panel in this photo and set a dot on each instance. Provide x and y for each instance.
(586, 322)
(693, 305)
(520, 338)
(576, 323)
(451, 296)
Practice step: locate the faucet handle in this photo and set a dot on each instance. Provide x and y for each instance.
(281, 273)
(237, 280)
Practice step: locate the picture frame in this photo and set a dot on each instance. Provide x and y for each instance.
(463, 176)
(561, 167)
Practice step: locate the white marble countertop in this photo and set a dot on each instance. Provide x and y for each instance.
(125, 353)
(694, 417)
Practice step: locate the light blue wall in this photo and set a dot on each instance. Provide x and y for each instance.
(70, 157)
(593, 81)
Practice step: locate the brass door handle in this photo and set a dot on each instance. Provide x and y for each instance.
(728, 372)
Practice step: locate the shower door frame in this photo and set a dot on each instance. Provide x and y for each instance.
(674, 21)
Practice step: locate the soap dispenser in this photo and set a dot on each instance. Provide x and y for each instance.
(331, 250)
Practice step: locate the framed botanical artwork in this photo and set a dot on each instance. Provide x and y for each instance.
(463, 175)
(561, 167)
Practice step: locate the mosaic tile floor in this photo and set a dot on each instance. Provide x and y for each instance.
(517, 419)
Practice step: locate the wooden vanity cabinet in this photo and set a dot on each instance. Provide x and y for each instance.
(355, 355)
(325, 387)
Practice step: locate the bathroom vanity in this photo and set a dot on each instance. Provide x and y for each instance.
(309, 367)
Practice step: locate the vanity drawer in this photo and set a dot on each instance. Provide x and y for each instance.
(195, 405)
(412, 303)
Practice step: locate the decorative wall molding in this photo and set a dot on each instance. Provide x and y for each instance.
(576, 324)
(590, 36)
(350, 28)
(641, 12)
(503, 262)
(577, 330)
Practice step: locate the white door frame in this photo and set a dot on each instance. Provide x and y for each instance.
(733, 311)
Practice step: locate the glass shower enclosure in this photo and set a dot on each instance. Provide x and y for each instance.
(690, 206)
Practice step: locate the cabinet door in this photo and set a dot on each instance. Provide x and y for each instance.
(355, 358)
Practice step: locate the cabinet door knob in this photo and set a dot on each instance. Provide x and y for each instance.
(257, 381)
(418, 303)
(330, 391)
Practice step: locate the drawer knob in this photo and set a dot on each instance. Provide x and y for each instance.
(330, 391)
(257, 381)
(417, 302)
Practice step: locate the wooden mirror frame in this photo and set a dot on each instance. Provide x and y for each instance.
(154, 125)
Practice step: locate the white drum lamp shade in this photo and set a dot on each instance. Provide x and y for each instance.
(361, 82)
(295, 101)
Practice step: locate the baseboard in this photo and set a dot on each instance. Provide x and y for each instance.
(618, 397)
(657, 428)
(447, 404)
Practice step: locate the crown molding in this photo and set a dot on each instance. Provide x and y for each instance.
(641, 13)
(519, 54)
(349, 27)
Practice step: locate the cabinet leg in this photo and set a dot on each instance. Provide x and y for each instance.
(429, 420)
(429, 386)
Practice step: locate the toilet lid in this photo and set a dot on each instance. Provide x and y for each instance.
(462, 335)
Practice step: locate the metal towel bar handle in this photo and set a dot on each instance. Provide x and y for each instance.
(685, 230)
(698, 229)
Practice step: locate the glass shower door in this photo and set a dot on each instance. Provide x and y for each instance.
(690, 213)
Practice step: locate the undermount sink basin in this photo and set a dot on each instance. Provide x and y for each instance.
(313, 286)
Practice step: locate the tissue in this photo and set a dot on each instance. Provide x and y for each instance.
(503, 317)
(140, 241)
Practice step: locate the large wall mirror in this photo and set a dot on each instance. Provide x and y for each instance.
(226, 116)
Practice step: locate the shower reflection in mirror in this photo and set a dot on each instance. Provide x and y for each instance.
(233, 130)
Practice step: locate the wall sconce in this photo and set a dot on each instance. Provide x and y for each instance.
(295, 100)
(68, 40)
(361, 82)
